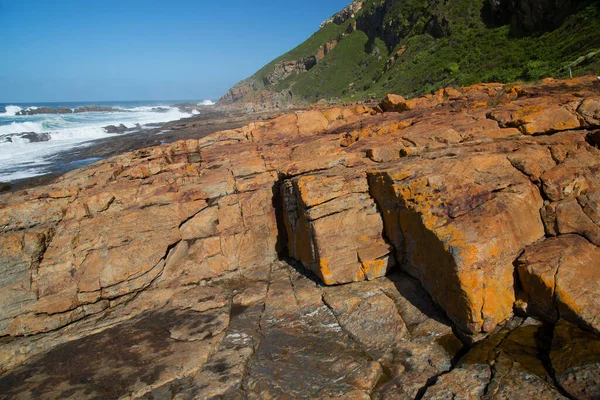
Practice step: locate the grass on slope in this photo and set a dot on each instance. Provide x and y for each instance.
(469, 52)
(351, 67)
(308, 48)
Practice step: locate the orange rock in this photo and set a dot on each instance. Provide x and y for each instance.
(317, 208)
(458, 227)
(393, 102)
(312, 122)
(458, 197)
(561, 277)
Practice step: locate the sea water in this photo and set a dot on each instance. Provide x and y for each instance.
(20, 158)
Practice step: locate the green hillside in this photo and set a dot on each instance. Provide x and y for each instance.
(414, 47)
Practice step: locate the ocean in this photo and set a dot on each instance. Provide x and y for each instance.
(22, 158)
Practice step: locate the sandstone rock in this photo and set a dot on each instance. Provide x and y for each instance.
(131, 358)
(575, 358)
(590, 111)
(560, 275)
(316, 208)
(424, 209)
(503, 366)
(538, 119)
(393, 102)
(185, 236)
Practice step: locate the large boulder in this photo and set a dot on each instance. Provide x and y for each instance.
(561, 277)
(458, 221)
(334, 228)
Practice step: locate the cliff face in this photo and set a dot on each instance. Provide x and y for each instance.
(414, 47)
(348, 252)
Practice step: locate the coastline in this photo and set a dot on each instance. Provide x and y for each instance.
(194, 127)
(261, 249)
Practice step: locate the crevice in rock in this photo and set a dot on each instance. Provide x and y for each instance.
(554, 295)
(191, 217)
(593, 139)
(343, 210)
(281, 243)
(544, 337)
(381, 213)
(493, 366)
(386, 371)
(454, 363)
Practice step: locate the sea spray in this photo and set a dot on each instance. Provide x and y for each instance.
(21, 158)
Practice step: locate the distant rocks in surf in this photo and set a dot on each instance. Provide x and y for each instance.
(5, 187)
(194, 108)
(121, 128)
(32, 137)
(161, 109)
(65, 110)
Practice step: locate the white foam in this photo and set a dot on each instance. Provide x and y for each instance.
(206, 103)
(22, 159)
(18, 127)
(12, 110)
(195, 112)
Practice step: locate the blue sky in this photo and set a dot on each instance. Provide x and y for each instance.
(86, 50)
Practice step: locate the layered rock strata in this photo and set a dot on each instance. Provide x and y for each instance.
(484, 198)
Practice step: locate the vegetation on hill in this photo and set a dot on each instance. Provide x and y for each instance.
(412, 47)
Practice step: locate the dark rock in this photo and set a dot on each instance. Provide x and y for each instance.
(575, 357)
(45, 110)
(97, 109)
(593, 138)
(34, 137)
(4, 187)
(160, 109)
(121, 128)
(65, 110)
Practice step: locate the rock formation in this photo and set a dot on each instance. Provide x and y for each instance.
(423, 248)
(65, 110)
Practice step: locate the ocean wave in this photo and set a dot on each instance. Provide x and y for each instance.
(206, 103)
(54, 123)
(21, 158)
(11, 111)
(19, 127)
(79, 134)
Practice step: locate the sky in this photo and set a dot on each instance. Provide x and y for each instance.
(109, 50)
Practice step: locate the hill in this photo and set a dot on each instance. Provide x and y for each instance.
(413, 47)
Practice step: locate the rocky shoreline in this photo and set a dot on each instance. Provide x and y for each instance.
(444, 246)
(132, 139)
(65, 110)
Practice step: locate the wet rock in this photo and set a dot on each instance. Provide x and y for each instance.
(129, 359)
(65, 110)
(121, 128)
(34, 137)
(31, 137)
